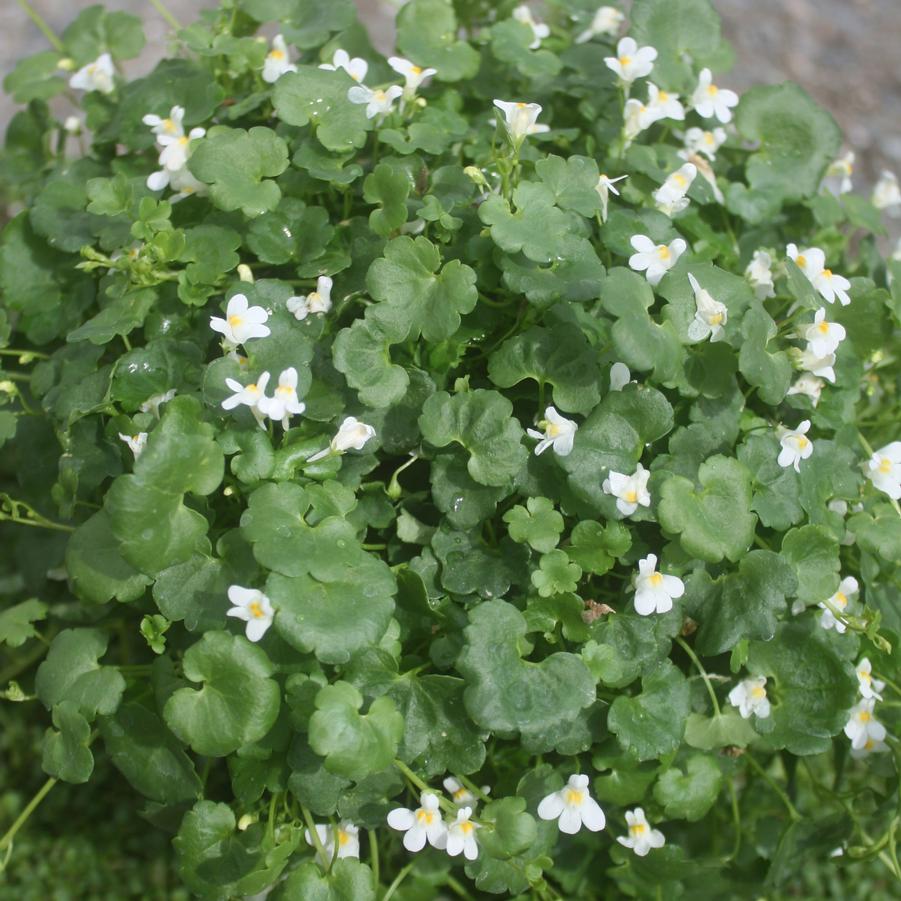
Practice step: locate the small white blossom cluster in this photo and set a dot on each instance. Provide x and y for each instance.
(866, 733)
(883, 469)
(176, 150)
(95, 76)
(749, 696)
(426, 825)
(379, 101)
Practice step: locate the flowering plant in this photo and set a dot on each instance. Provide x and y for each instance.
(472, 469)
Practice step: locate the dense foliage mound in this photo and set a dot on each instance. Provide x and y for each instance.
(470, 471)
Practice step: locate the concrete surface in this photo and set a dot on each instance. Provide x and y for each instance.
(844, 52)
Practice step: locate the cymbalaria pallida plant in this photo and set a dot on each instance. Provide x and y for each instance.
(408, 461)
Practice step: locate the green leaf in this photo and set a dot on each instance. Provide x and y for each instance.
(154, 528)
(595, 547)
(149, 756)
(716, 521)
(66, 753)
(769, 372)
(724, 730)
(388, 186)
(33, 78)
(560, 356)
(72, 672)
(505, 692)
(481, 421)
(510, 42)
(239, 166)
(121, 316)
(747, 603)
(798, 139)
(813, 553)
(812, 689)
(96, 30)
(408, 278)
(17, 622)
(573, 183)
(776, 489)
(347, 880)
(427, 34)
(319, 97)
(96, 567)
(556, 575)
(353, 744)
(879, 534)
(537, 524)
(688, 794)
(193, 592)
(237, 703)
(652, 723)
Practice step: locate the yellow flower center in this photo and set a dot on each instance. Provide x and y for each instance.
(425, 816)
(870, 744)
(276, 54)
(631, 496)
(865, 676)
(574, 797)
(466, 827)
(553, 430)
(521, 105)
(802, 442)
(823, 328)
(655, 579)
(284, 389)
(637, 829)
(183, 140)
(460, 793)
(256, 610)
(680, 179)
(758, 692)
(841, 599)
(234, 321)
(827, 273)
(252, 388)
(416, 70)
(168, 125)
(343, 837)
(885, 466)
(801, 260)
(625, 60)
(663, 96)
(663, 252)
(716, 319)
(865, 716)
(709, 138)
(713, 90)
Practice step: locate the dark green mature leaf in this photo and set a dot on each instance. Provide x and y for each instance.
(66, 753)
(482, 422)
(239, 166)
(237, 702)
(652, 723)
(17, 622)
(716, 521)
(688, 794)
(813, 553)
(427, 35)
(798, 139)
(537, 524)
(347, 880)
(505, 692)
(769, 372)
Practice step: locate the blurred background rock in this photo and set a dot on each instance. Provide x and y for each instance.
(844, 52)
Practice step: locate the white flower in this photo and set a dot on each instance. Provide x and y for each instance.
(629, 491)
(95, 76)
(520, 119)
(822, 367)
(670, 196)
(664, 104)
(572, 806)
(459, 792)
(252, 395)
(284, 403)
(73, 125)
(136, 443)
(656, 259)
(870, 746)
(823, 337)
(887, 193)
(710, 317)
(377, 101)
(641, 836)
(839, 603)
(796, 446)
(812, 262)
(558, 432)
(604, 187)
(352, 434)
(607, 20)
(655, 592)
(760, 275)
(348, 837)
(242, 322)
(631, 61)
(356, 67)
(318, 301)
(413, 74)
(461, 835)
(177, 149)
(838, 176)
(252, 606)
(867, 685)
(809, 385)
(636, 118)
(277, 61)
(708, 100)
(184, 184)
(862, 726)
(153, 404)
(884, 469)
(619, 376)
(540, 31)
(420, 825)
(172, 126)
(699, 141)
(749, 696)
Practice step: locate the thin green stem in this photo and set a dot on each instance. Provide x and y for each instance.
(373, 855)
(161, 9)
(26, 354)
(892, 685)
(473, 788)
(397, 881)
(424, 786)
(736, 819)
(700, 668)
(30, 808)
(792, 810)
(44, 28)
(317, 842)
(457, 888)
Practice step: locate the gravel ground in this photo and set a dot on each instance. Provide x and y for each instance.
(844, 52)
